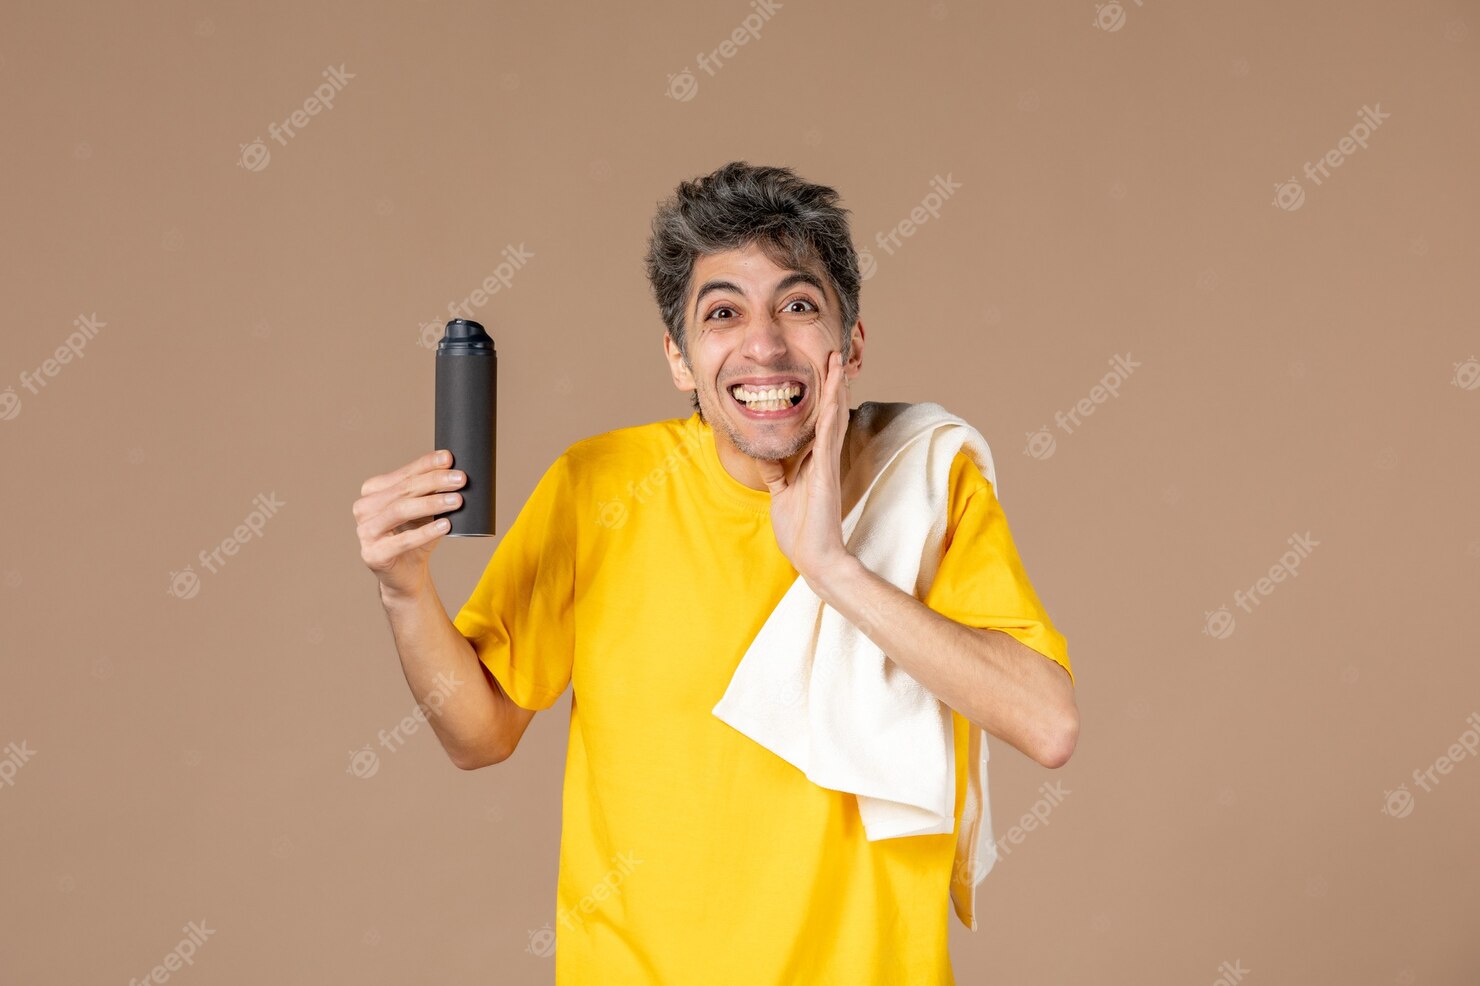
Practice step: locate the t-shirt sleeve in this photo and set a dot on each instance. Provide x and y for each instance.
(981, 581)
(520, 618)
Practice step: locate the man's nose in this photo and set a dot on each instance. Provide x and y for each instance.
(764, 338)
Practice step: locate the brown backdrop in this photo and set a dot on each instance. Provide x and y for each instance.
(243, 317)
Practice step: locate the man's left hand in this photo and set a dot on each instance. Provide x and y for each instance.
(806, 507)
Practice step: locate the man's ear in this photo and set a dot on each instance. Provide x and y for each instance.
(682, 378)
(854, 365)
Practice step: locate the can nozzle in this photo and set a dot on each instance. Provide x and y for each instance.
(464, 335)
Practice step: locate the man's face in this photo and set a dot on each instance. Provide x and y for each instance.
(762, 326)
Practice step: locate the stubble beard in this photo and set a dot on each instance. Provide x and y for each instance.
(774, 450)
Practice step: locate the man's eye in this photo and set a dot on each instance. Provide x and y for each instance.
(721, 308)
(801, 301)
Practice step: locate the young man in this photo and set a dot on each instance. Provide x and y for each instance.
(639, 570)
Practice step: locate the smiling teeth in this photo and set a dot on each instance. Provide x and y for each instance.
(767, 398)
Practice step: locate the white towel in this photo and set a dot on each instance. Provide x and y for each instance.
(817, 692)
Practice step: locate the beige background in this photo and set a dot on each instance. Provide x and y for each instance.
(188, 759)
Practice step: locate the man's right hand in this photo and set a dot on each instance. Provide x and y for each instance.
(393, 518)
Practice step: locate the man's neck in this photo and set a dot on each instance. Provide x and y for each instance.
(746, 470)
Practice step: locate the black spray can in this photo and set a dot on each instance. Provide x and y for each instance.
(467, 399)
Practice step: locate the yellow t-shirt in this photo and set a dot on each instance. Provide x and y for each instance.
(638, 572)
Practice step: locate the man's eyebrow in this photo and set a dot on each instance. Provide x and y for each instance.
(713, 286)
(794, 278)
(801, 277)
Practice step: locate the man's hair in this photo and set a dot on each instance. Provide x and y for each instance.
(795, 223)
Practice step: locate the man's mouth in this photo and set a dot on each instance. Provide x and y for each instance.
(769, 397)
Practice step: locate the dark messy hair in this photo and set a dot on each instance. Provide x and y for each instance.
(795, 223)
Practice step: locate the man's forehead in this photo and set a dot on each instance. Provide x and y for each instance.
(739, 267)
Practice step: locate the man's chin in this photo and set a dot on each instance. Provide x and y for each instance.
(772, 448)
(759, 439)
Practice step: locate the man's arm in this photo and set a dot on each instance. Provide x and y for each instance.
(475, 721)
(397, 525)
(989, 677)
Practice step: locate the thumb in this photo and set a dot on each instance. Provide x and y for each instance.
(773, 474)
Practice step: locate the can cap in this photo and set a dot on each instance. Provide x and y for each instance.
(464, 336)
